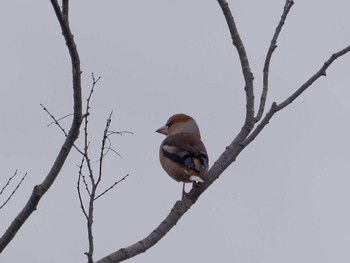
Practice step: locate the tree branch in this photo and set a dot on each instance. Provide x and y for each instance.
(248, 75)
(288, 5)
(41, 189)
(277, 107)
(227, 157)
(181, 207)
(14, 190)
(8, 182)
(111, 187)
(65, 8)
(321, 72)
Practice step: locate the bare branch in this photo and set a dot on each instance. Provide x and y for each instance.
(55, 121)
(40, 190)
(89, 214)
(109, 148)
(86, 136)
(111, 187)
(94, 182)
(8, 182)
(65, 8)
(94, 82)
(320, 73)
(104, 138)
(227, 157)
(59, 119)
(119, 132)
(14, 191)
(247, 73)
(80, 176)
(273, 45)
(277, 107)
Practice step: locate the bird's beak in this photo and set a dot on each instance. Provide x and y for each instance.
(163, 130)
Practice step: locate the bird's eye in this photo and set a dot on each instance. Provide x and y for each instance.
(170, 123)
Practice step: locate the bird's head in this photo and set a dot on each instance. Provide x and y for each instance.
(179, 123)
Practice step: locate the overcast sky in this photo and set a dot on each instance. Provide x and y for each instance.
(285, 199)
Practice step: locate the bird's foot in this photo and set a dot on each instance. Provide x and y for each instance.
(184, 193)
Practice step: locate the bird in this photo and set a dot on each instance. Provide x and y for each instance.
(182, 154)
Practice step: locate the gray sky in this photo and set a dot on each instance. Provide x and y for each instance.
(286, 197)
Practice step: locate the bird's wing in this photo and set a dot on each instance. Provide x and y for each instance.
(186, 149)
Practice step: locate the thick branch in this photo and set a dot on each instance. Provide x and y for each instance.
(233, 150)
(178, 210)
(248, 75)
(65, 8)
(41, 189)
(228, 156)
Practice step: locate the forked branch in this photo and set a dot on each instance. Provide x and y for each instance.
(246, 136)
(92, 181)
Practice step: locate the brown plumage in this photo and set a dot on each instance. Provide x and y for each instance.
(182, 154)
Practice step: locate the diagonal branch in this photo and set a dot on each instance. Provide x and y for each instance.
(8, 182)
(181, 207)
(14, 190)
(41, 189)
(320, 73)
(273, 45)
(227, 157)
(55, 121)
(277, 107)
(65, 8)
(111, 187)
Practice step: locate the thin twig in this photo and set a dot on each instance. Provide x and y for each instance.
(80, 176)
(273, 45)
(83, 178)
(54, 120)
(111, 187)
(86, 137)
(94, 82)
(14, 191)
(277, 107)
(8, 182)
(109, 148)
(119, 132)
(103, 144)
(59, 119)
(320, 73)
(94, 184)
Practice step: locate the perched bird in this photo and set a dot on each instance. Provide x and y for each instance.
(182, 154)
